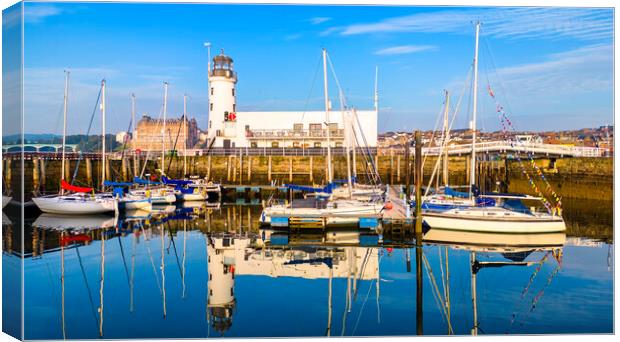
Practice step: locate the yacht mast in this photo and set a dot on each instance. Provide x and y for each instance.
(133, 133)
(185, 134)
(446, 139)
(102, 133)
(329, 150)
(163, 131)
(472, 174)
(64, 127)
(354, 147)
(347, 141)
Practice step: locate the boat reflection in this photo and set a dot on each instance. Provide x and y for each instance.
(514, 249)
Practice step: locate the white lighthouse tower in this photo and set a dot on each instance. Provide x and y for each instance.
(222, 102)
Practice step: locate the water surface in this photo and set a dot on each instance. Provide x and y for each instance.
(211, 272)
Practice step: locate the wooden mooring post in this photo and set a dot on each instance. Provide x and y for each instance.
(209, 167)
(68, 171)
(311, 170)
(35, 175)
(43, 174)
(407, 168)
(7, 176)
(124, 168)
(240, 166)
(290, 169)
(391, 166)
(418, 186)
(89, 172)
(249, 169)
(269, 169)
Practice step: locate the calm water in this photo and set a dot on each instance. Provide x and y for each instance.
(211, 272)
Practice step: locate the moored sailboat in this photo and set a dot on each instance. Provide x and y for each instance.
(80, 200)
(487, 212)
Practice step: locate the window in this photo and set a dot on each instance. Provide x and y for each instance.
(233, 91)
(253, 144)
(315, 126)
(298, 127)
(211, 90)
(210, 124)
(317, 144)
(274, 144)
(211, 106)
(296, 144)
(247, 127)
(234, 107)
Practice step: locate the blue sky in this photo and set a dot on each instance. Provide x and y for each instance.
(551, 67)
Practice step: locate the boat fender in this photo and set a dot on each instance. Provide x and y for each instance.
(388, 206)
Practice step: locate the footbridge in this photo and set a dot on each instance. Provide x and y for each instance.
(507, 147)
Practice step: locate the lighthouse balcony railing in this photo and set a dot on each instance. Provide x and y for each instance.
(293, 134)
(223, 72)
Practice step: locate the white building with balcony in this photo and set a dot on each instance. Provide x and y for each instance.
(229, 128)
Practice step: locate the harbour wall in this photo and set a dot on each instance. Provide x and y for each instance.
(578, 178)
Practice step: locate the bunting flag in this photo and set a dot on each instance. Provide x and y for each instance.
(491, 91)
(506, 124)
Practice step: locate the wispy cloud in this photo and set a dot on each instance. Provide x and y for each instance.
(516, 23)
(404, 49)
(580, 70)
(37, 13)
(319, 20)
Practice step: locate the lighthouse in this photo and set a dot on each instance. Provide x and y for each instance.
(222, 102)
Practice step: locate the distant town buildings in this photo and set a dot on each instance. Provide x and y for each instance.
(149, 135)
(601, 137)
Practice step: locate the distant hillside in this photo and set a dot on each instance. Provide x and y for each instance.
(85, 143)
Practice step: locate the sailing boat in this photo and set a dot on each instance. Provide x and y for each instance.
(333, 212)
(494, 212)
(78, 201)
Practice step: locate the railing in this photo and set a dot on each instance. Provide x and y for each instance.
(536, 148)
(292, 133)
(275, 151)
(483, 147)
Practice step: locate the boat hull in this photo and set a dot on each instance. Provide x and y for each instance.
(167, 199)
(141, 204)
(58, 205)
(511, 242)
(191, 197)
(332, 216)
(499, 225)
